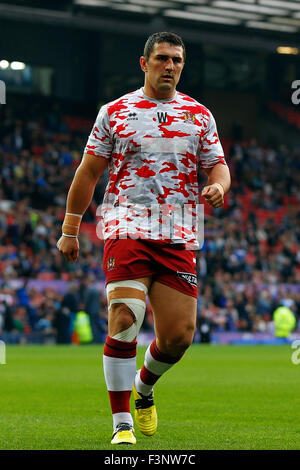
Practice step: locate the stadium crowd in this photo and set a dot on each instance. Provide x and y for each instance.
(249, 262)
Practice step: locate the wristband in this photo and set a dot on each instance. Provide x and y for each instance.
(75, 215)
(69, 236)
(71, 224)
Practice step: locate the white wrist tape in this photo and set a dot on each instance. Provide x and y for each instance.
(69, 236)
(71, 224)
(75, 215)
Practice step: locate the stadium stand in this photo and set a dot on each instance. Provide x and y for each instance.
(286, 113)
(249, 262)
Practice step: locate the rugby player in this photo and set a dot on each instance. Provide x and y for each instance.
(154, 141)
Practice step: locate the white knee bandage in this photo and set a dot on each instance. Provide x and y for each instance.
(133, 294)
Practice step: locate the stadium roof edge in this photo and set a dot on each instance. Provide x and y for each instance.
(68, 19)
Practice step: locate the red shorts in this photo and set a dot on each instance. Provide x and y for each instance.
(170, 264)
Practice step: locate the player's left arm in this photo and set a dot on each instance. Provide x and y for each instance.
(218, 183)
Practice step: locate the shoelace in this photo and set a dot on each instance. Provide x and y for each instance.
(144, 402)
(123, 427)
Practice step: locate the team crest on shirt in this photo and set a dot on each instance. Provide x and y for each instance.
(189, 117)
(190, 278)
(110, 264)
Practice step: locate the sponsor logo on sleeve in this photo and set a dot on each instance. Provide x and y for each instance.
(132, 117)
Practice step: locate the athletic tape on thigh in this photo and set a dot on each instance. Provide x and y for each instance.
(133, 294)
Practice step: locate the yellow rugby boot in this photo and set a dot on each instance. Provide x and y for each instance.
(123, 434)
(145, 412)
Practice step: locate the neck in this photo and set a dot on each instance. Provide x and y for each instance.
(158, 94)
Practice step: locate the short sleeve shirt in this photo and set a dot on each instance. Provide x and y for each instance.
(154, 150)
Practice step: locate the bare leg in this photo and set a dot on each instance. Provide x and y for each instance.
(175, 321)
(174, 317)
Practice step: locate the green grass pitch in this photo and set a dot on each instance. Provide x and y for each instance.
(216, 397)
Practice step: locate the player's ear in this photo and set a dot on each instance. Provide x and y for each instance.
(143, 63)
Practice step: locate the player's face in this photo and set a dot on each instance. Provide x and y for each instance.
(162, 70)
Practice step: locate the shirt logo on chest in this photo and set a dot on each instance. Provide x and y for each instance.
(132, 117)
(162, 117)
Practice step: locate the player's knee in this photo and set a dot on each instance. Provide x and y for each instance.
(127, 305)
(187, 335)
(121, 317)
(179, 342)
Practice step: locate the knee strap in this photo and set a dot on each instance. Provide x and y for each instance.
(133, 294)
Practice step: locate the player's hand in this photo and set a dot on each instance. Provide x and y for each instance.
(214, 195)
(69, 247)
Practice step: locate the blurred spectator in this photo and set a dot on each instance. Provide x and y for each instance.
(249, 261)
(93, 307)
(70, 299)
(205, 326)
(82, 327)
(62, 323)
(284, 319)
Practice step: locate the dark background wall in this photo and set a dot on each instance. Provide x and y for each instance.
(91, 67)
(75, 55)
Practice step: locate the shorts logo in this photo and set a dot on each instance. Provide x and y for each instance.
(110, 264)
(188, 277)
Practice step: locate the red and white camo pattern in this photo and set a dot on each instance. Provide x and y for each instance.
(155, 149)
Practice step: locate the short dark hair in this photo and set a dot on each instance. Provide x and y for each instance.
(163, 36)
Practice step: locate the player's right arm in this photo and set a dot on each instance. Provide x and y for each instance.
(79, 198)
